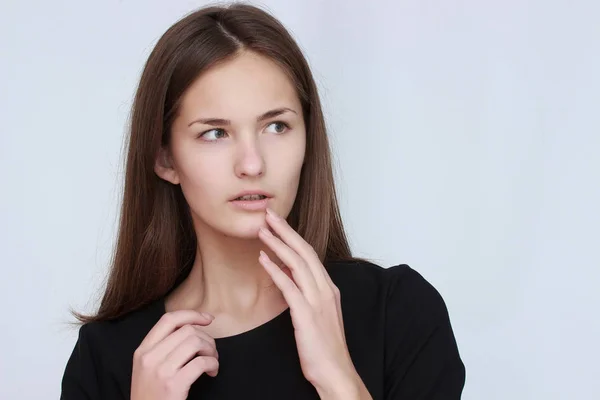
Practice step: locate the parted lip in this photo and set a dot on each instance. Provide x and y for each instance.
(250, 192)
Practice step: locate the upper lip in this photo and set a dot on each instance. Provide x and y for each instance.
(250, 192)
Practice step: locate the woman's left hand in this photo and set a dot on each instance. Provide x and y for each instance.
(316, 311)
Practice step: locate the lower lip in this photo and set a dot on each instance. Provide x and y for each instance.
(251, 205)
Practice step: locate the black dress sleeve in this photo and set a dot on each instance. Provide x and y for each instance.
(422, 358)
(79, 380)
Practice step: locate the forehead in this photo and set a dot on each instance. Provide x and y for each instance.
(244, 86)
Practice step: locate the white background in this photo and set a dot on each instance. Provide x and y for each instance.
(467, 144)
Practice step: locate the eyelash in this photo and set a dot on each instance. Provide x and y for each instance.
(287, 127)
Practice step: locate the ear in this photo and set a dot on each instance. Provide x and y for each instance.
(164, 167)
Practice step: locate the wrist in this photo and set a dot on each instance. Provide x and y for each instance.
(347, 387)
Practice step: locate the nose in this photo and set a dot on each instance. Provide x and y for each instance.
(249, 161)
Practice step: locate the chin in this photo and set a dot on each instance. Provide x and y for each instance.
(246, 228)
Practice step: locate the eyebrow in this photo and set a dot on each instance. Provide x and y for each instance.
(225, 122)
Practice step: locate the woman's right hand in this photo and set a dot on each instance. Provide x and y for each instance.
(172, 356)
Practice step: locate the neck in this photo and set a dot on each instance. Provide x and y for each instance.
(228, 279)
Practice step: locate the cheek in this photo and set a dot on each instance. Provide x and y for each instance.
(202, 180)
(286, 164)
(296, 159)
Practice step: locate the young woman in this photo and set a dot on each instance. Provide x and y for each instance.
(232, 276)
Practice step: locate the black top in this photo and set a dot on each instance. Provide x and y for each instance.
(397, 331)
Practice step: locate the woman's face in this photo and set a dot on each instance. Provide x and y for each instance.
(242, 148)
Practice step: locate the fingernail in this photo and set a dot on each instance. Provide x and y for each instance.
(266, 231)
(272, 213)
(209, 316)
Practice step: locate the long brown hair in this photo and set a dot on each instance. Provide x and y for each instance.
(156, 243)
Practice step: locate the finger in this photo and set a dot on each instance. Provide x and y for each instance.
(292, 294)
(327, 278)
(165, 347)
(338, 302)
(191, 347)
(303, 277)
(171, 321)
(192, 370)
(297, 243)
